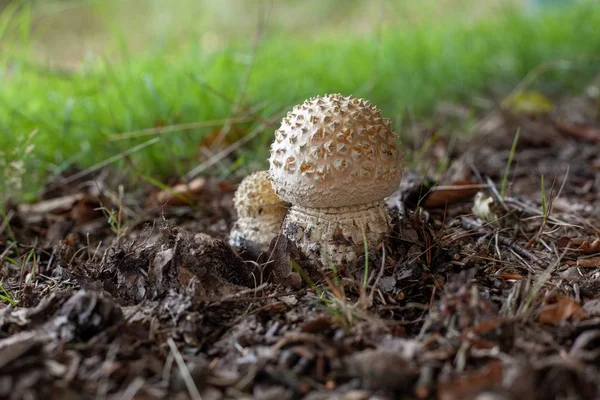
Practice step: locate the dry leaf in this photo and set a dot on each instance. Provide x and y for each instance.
(473, 335)
(85, 210)
(590, 133)
(469, 385)
(559, 310)
(321, 324)
(56, 205)
(382, 369)
(220, 137)
(448, 194)
(509, 277)
(180, 194)
(580, 245)
(590, 262)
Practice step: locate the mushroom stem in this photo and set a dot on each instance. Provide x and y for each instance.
(336, 235)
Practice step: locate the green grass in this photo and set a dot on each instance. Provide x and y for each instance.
(5, 297)
(511, 156)
(406, 67)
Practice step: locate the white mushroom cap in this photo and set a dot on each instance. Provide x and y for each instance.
(260, 213)
(335, 151)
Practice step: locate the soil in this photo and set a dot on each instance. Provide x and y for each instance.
(138, 295)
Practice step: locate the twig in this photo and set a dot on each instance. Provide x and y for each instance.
(471, 224)
(226, 151)
(425, 384)
(133, 388)
(537, 285)
(111, 356)
(535, 211)
(496, 194)
(379, 275)
(459, 187)
(185, 372)
(237, 295)
(178, 128)
(103, 164)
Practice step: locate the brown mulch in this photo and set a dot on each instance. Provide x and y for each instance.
(117, 297)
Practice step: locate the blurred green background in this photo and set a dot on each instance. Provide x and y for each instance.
(157, 88)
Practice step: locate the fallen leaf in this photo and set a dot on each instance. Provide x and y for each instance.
(180, 194)
(382, 369)
(580, 245)
(487, 326)
(271, 309)
(56, 205)
(85, 210)
(511, 276)
(222, 136)
(590, 247)
(447, 194)
(590, 262)
(470, 384)
(317, 325)
(586, 132)
(225, 186)
(473, 335)
(560, 309)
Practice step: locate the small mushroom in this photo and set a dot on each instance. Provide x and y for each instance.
(260, 214)
(335, 159)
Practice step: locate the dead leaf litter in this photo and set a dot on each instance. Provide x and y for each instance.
(110, 297)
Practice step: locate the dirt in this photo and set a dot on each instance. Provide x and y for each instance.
(122, 297)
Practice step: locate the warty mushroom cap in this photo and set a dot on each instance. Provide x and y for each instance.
(254, 194)
(260, 213)
(335, 151)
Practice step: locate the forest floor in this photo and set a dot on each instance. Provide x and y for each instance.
(109, 294)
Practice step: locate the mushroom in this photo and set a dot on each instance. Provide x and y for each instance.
(335, 159)
(260, 214)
